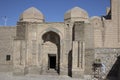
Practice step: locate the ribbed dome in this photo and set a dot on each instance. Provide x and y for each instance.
(76, 13)
(32, 15)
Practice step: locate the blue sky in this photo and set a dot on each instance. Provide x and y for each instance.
(53, 10)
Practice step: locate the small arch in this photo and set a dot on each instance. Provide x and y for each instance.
(53, 30)
(52, 37)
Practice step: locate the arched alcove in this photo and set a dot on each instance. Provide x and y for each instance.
(51, 49)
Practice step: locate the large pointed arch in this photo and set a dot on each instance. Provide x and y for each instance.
(51, 37)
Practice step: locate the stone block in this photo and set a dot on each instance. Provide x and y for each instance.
(20, 71)
(34, 70)
(77, 73)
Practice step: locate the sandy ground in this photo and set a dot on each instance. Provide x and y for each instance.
(10, 76)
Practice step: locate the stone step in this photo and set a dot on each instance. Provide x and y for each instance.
(34, 70)
(52, 72)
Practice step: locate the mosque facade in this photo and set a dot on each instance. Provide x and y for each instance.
(62, 48)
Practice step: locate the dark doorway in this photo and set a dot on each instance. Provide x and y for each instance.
(52, 61)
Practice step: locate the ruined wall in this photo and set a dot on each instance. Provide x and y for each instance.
(21, 30)
(108, 57)
(7, 35)
(111, 35)
(97, 28)
(112, 27)
(6, 39)
(89, 59)
(84, 32)
(89, 48)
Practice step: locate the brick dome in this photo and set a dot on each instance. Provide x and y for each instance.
(32, 15)
(76, 14)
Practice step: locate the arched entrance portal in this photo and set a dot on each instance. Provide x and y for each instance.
(51, 48)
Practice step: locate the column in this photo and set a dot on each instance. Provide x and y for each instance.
(78, 59)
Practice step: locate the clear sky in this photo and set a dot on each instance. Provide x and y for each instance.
(53, 10)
